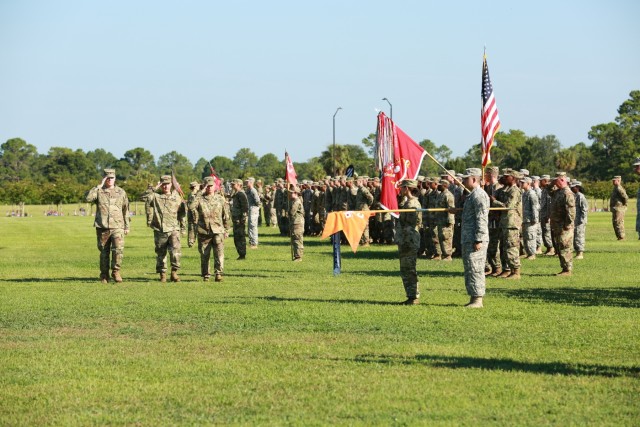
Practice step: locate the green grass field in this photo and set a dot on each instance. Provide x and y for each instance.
(287, 343)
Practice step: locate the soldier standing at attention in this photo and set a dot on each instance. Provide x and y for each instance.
(408, 238)
(492, 187)
(239, 212)
(535, 185)
(582, 208)
(296, 221)
(562, 214)
(474, 236)
(364, 199)
(432, 217)
(510, 222)
(253, 199)
(111, 223)
(636, 169)
(212, 216)
(169, 215)
(446, 220)
(618, 206)
(191, 221)
(260, 190)
(545, 203)
(530, 217)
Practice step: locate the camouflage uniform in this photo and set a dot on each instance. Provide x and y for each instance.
(582, 209)
(364, 199)
(268, 206)
(445, 221)
(239, 212)
(296, 217)
(212, 217)
(432, 221)
(562, 215)
(253, 214)
(495, 256)
(111, 222)
(281, 205)
(475, 229)
(191, 222)
(408, 238)
(618, 207)
(510, 224)
(168, 222)
(545, 203)
(531, 220)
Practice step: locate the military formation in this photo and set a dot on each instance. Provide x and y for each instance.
(491, 220)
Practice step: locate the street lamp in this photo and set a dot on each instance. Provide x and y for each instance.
(334, 140)
(390, 108)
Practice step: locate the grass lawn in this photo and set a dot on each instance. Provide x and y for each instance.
(287, 343)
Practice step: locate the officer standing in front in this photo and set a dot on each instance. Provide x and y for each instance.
(408, 238)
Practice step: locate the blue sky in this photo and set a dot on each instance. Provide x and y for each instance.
(207, 78)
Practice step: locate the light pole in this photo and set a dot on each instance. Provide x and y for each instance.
(390, 108)
(334, 140)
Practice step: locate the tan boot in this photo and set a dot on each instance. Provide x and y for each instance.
(163, 277)
(531, 257)
(496, 272)
(116, 276)
(551, 252)
(504, 274)
(218, 278)
(564, 273)
(476, 302)
(104, 279)
(174, 276)
(515, 274)
(580, 255)
(411, 301)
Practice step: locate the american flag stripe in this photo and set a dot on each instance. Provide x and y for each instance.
(490, 122)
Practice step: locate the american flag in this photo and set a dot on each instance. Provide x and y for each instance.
(489, 122)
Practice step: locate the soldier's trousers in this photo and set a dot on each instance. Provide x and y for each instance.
(407, 250)
(388, 231)
(579, 237)
(428, 241)
(110, 242)
(510, 245)
(274, 218)
(530, 235)
(239, 237)
(539, 237)
(254, 214)
(435, 242)
(492, 250)
(445, 236)
(617, 219)
(191, 233)
(297, 240)
(284, 225)
(563, 240)
(207, 243)
(457, 244)
(164, 242)
(474, 261)
(546, 234)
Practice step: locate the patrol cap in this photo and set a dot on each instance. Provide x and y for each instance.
(209, 181)
(560, 174)
(420, 178)
(327, 177)
(165, 179)
(376, 179)
(194, 184)
(526, 179)
(409, 183)
(637, 162)
(472, 172)
(444, 182)
(350, 179)
(524, 172)
(547, 177)
(294, 189)
(535, 178)
(250, 179)
(493, 170)
(617, 177)
(110, 173)
(279, 180)
(237, 181)
(575, 184)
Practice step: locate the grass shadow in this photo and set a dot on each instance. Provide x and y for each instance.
(506, 365)
(332, 301)
(586, 297)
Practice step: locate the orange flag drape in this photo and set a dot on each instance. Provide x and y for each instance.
(352, 223)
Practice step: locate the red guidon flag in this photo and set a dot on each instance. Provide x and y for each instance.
(290, 174)
(399, 158)
(352, 223)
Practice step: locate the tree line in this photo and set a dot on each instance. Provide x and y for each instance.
(63, 175)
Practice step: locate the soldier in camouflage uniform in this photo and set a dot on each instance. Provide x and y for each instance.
(510, 222)
(562, 215)
(364, 199)
(493, 188)
(267, 204)
(530, 217)
(445, 220)
(296, 220)
(191, 221)
(111, 223)
(408, 238)
(535, 185)
(168, 223)
(260, 190)
(618, 206)
(474, 236)
(432, 218)
(239, 212)
(253, 211)
(545, 224)
(636, 169)
(582, 209)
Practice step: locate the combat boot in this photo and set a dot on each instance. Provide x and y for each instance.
(411, 301)
(515, 274)
(476, 302)
(550, 252)
(531, 257)
(218, 278)
(116, 276)
(447, 258)
(505, 273)
(104, 278)
(205, 278)
(580, 255)
(564, 273)
(496, 272)
(174, 276)
(163, 277)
